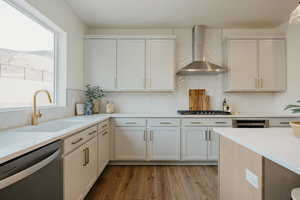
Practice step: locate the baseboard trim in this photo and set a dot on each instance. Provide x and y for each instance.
(184, 163)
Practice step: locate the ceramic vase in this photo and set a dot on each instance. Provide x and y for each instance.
(96, 106)
(88, 108)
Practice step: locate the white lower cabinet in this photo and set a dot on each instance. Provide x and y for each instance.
(194, 144)
(73, 176)
(213, 146)
(164, 143)
(90, 170)
(130, 143)
(199, 144)
(103, 150)
(80, 170)
(163, 139)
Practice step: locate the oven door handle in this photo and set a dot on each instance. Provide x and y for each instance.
(29, 171)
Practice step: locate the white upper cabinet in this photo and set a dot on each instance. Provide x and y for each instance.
(272, 64)
(242, 63)
(131, 64)
(256, 65)
(161, 64)
(101, 62)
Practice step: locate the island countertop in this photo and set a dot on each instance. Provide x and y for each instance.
(276, 144)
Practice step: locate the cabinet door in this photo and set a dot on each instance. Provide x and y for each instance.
(101, 61)
(130, 143)
(272, 64)
(131, 64)
(90, 170)
(243, 65)
(213, 146)
(164, 143)
(74, 175)
(195, 144)
(161, 64)
(103, 150)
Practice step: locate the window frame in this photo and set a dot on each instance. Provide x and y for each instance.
(60, 55)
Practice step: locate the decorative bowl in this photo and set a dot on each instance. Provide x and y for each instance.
(296, 128)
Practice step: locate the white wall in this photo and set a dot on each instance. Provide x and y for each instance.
(293, 71)
(170, 103)
(62, 15)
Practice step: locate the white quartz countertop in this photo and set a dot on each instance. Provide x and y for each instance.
(16, 142)
(174, 115)
(276, 144)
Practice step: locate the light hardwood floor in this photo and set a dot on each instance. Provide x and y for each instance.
(157, 183)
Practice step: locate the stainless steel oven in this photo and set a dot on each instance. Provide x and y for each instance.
(250, 123)
(37, 175)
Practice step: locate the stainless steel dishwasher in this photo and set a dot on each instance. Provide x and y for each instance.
(37, 175)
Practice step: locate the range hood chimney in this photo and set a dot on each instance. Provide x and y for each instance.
(199, 64)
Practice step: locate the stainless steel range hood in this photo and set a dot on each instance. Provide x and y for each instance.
(199, 64)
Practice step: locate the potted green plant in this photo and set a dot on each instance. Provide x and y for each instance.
(93, 95)
(295, 125)
(293, 107)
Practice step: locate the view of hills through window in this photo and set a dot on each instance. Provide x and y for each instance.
(26, 58)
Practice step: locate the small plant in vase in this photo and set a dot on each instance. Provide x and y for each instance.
(295, 125)
(93, 95)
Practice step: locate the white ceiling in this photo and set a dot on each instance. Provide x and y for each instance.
(182, 13)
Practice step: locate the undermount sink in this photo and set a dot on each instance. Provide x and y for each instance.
(54, 126)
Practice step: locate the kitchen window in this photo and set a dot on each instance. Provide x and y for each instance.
(32, 57)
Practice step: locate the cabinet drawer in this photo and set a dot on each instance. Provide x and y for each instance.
(129, 122)
(207, 122)
(78, 139)
(164, 122)
(282, 122)
(103, 125)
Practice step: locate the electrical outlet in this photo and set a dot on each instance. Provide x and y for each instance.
(251, 178)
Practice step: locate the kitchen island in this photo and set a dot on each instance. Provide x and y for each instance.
(258, 163)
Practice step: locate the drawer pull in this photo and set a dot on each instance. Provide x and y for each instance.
(220, 123)
(166, 123)
(77, 141)
(104, 126)
(196, 122)
(91, 133)
(105, 133)
(86, 153)
(130, 123)
(285, 123)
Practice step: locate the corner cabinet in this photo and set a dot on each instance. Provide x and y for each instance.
(131, 63)
(256, 65)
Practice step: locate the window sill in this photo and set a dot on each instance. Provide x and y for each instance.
(29, 108)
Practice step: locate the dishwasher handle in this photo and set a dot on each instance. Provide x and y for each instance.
(29, 171)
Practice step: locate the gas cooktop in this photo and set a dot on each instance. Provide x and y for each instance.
(203, 112)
